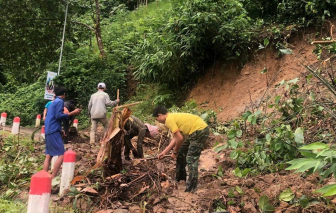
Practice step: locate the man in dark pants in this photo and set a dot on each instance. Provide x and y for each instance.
(69, 106)
(186, 150)
(135, 127)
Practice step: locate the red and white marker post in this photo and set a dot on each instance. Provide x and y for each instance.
(68, 170)
(3, 119)
(39, 193)
(75, 123)
(43, 132)
(16, 126)
(38, 120)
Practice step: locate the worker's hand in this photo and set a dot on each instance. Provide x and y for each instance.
(174, 156)
(43, 118)
(160, 156)
(117, 100)
(77, 111)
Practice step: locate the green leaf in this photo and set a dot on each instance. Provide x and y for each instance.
(233, 143)
(308, 154)
(298, 135)
(286, 51)
(277, 99)
(266, 42)
(216, 144)
(239, 190)
(74, 204)
(328, 190)
(73, 191)
(204, 116)
(263, 201)
(233, 155)
(237, 172)
(327, 172)
(268, 208)
(246, 115)
(278, 146)
(268, 137)
(232, 134)
(286, 195)
(246, 171)
(293, 81)
(325, 188)
(314, 146)
(252, 119)
(220, 171)
(220, 148)
(307, 166)
(239, 133)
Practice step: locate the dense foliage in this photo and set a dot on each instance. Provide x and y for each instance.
(167, 42)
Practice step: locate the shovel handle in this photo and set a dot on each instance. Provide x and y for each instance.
(117, 95)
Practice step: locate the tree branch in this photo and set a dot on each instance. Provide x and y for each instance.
(80, 23)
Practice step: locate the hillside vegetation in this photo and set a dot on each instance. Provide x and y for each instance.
(156, 53)
(170, 43)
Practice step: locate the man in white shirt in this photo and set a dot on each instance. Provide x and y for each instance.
(97, 109)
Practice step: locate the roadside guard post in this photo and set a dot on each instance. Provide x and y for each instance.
(39, 193)
(3, 119)
(75, 123)
(68, 170)
(38, 120)
(43, 132)
(16, 126)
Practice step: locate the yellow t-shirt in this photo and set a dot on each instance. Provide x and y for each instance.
(184, 122)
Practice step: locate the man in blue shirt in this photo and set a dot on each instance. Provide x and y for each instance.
(53, 130)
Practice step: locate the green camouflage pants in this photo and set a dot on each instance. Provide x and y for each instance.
(189, 155)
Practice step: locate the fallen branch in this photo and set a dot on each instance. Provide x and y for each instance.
(153, 158)
(323, 42)
(133, 181)
(127, 105)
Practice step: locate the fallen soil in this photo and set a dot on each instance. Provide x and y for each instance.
(230, 89)
(164, 195)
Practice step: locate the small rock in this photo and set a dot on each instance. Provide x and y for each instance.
(170, 211)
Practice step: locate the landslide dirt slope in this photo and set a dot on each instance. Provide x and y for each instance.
(230, 90)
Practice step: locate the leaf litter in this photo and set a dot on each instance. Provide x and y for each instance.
(149, 185)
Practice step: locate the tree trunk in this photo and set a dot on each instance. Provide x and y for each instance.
(98, 31)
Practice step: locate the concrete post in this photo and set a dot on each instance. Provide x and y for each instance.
(68, 170)
(39, 194)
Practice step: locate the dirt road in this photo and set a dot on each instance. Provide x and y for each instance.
(25, 131)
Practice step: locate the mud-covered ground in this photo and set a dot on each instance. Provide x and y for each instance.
(155, 189)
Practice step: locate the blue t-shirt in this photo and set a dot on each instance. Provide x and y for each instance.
(55, 115)
(48, 104)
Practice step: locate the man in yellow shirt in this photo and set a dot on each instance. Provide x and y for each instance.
(188, 151)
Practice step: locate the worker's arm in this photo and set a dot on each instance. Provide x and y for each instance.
(59, 111)
(44, 113)
(90, 106)
(110, 103)
(175, 142)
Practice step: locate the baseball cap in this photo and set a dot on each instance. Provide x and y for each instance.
(102, 86)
